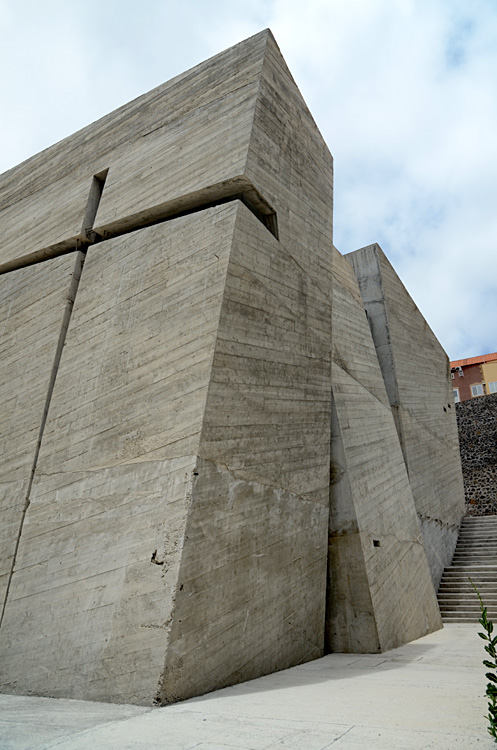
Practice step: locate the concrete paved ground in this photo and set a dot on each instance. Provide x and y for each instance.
(427, 694)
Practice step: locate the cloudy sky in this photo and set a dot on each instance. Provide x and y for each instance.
(404, 92)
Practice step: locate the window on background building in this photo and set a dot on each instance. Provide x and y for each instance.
(456, 395)
(492, 387)
(477, 389)
(452, 375)
(461, 374)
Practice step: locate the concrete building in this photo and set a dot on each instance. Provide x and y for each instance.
(213, 467)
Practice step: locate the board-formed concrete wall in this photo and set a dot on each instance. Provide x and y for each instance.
(34, 305)
(380, 587)
(168, 522)
(175, 535)
(416, 373)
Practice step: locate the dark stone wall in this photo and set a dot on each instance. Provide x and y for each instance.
(477, 425)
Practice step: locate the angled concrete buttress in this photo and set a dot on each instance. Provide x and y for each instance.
(380, 592)
(175, 534)
(416, 373)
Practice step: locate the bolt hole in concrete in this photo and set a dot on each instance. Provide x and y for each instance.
(376, 543)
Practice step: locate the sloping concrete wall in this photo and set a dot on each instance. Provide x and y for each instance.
(417, 379)
(380, 589)
(253, 575)
(196, 373)
(92, 595)
(182, 143)
(34, 303)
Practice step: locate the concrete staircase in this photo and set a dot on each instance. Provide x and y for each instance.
(475, 557)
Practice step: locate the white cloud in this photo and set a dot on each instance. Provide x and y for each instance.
(404, 93)
(402, 90)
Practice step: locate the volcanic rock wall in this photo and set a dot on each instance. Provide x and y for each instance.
(477, 425)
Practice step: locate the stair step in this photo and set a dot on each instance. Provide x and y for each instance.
(488, 601)
(462, 581)
(479, 548)
(477, 541)
(455, 606)
(479, 527)
(472, 519)
(477, 544)
(476, 614)
(483, 569)
(460, 589)
(475, 557)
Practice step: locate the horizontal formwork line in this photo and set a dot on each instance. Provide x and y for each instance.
(237, 188)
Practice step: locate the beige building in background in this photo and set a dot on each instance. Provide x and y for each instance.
(489, 372)
(214, 464)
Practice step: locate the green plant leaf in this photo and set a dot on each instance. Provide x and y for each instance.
(491, 689)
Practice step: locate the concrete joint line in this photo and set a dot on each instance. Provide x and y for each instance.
(71, 295)
(238, 188)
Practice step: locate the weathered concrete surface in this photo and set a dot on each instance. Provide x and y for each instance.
(380, 589)
(92, 595)
(182, 138)
(426, 694)
(253, 576)
(190, 141)
(415, 369)
(439, 541)
(113, 484)
(203, 336)
(33, 304)
(265, 442)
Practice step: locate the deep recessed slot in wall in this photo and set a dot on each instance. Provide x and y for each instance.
(94, 197)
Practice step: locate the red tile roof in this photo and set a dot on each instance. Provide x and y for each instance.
(474, 360)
